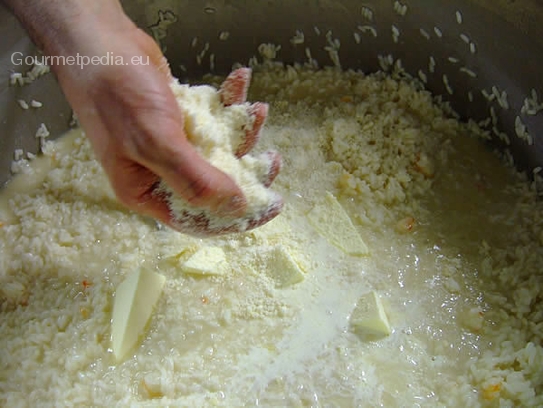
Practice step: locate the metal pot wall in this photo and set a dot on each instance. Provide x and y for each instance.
(462, 48)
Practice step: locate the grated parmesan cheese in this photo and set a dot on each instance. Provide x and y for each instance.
(217, 131)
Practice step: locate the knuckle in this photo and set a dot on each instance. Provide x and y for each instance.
(149, 142)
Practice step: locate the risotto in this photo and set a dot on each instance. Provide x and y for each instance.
(454, 242)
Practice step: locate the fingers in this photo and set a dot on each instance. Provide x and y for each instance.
(200, 183)
(203, 225)
(234, 91)
(155, 206)
(137, 131)
(272, 211)
(146, 146)
(185, 171)
(144, 124)
(135, 188)
(234, 88)
(258, 112)
(271, 163)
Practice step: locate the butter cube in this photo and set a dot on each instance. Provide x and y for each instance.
(274, 231)
(135, 299)
(369, 318)
(283, 268)
(206, 261)
(332, 222)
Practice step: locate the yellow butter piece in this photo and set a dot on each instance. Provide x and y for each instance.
(283, 268)
(369, 317)
(274, 231)
(206, 261)
(135, 299)
(332, 222)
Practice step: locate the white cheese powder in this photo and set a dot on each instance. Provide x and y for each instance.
(217, 131)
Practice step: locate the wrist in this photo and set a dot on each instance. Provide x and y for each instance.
(66, 27)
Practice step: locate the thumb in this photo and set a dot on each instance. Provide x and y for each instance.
(198, 182)
(185, 171)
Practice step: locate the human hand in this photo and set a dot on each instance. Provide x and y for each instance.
(130, 114)
(226, 147)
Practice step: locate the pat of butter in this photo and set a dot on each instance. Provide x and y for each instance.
(135, 299)
(283, 268)
(206, 261)
(332, 222)
(369, 318)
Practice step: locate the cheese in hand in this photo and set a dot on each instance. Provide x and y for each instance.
(135, 299)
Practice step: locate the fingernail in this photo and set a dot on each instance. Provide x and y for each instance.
(234, 206)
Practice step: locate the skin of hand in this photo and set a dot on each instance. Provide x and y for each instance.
(129, 112)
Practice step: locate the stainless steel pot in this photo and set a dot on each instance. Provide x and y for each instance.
(474, 48)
